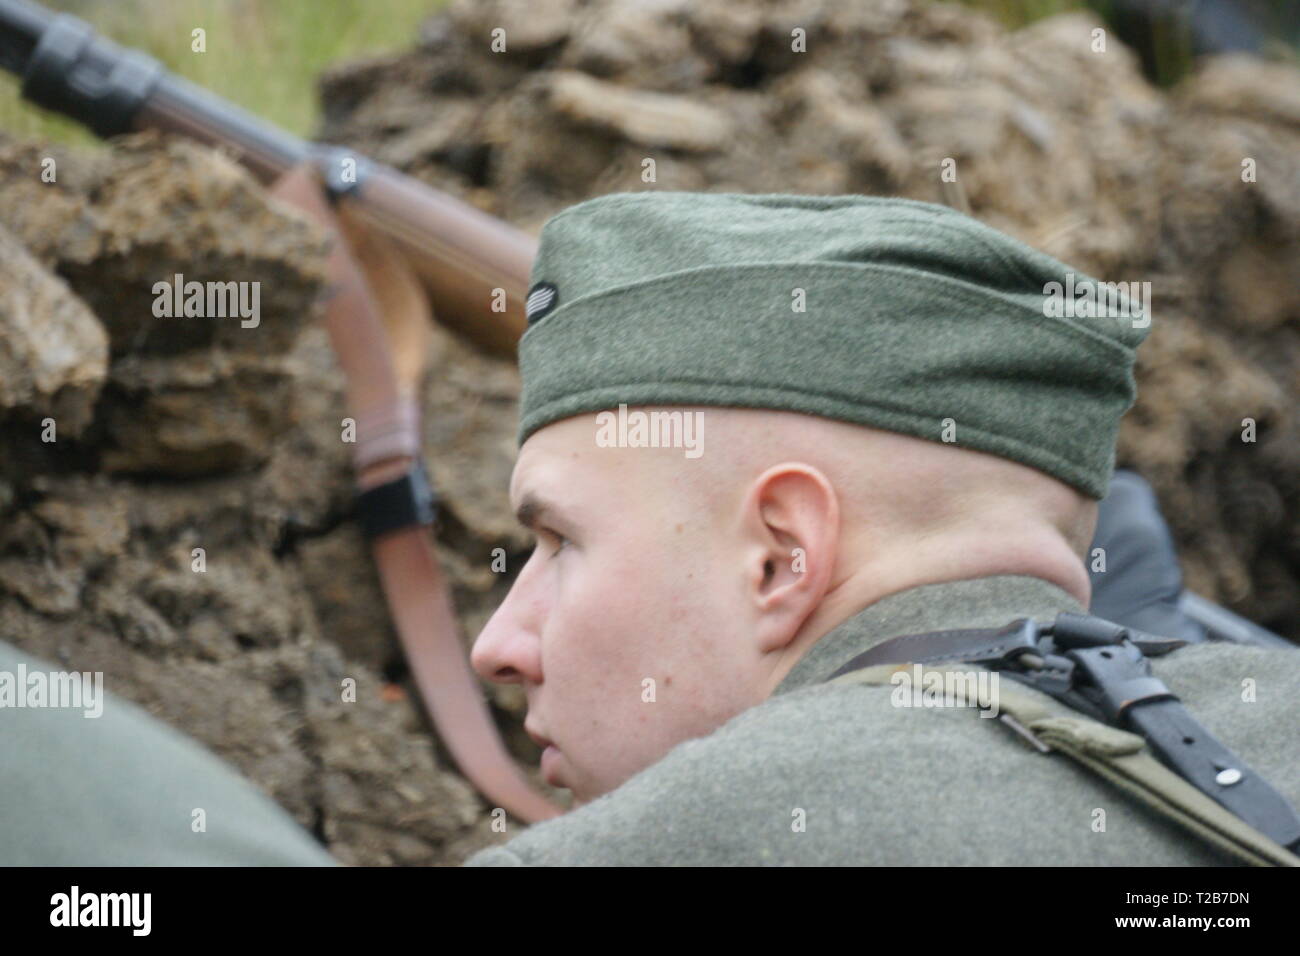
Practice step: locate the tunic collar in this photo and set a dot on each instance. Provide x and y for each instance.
(974, 602)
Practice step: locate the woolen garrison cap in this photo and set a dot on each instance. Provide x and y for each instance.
(884, 312)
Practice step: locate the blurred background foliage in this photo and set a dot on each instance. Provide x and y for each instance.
(266, 54)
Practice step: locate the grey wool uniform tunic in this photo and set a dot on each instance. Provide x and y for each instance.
(824, 774)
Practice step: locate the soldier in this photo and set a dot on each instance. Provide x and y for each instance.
(891, 437)
(113, 786)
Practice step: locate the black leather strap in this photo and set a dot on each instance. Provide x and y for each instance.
(1185, 746)
(1100, 668)
(969, 646)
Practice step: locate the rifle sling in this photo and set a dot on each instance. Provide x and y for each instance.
(396, 506)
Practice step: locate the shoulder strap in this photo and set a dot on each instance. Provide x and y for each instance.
(1123, 758)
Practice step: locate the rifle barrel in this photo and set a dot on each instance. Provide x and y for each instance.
(462, 255)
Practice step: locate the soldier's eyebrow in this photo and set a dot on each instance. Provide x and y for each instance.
(531, 511)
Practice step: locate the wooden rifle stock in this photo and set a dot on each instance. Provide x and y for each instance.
(462, 255)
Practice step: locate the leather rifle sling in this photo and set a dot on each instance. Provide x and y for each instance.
(383, 369)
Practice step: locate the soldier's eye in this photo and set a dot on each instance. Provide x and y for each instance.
(559, 540)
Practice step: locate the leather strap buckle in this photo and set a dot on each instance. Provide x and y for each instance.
(1117, 678)
(1052, 674)
(400, 503)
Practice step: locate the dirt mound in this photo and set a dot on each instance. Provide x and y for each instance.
(1054, 135)
(172, 435)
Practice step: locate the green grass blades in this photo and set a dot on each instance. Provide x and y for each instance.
(264, 55)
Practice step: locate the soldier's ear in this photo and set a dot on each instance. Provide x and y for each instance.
(793, 519)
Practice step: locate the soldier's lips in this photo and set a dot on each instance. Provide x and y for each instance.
(550, 755)
(549, 768)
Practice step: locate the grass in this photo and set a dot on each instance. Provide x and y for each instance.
(264, 55)
(1018, 13)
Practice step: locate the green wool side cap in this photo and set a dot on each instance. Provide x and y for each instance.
(911, 314)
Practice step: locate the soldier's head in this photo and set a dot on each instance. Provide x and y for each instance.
(747, 418)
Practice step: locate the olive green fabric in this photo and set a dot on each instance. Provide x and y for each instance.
(913, 314)
(877, 784)
(1117, 755)
(121, 789)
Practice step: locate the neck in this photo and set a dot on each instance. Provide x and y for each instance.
(1043, 554)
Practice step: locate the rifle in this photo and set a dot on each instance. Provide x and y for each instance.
(461, 256)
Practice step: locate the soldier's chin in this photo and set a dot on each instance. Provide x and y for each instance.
(581, 789)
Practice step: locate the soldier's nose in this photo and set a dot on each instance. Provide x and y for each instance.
(505, 653)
